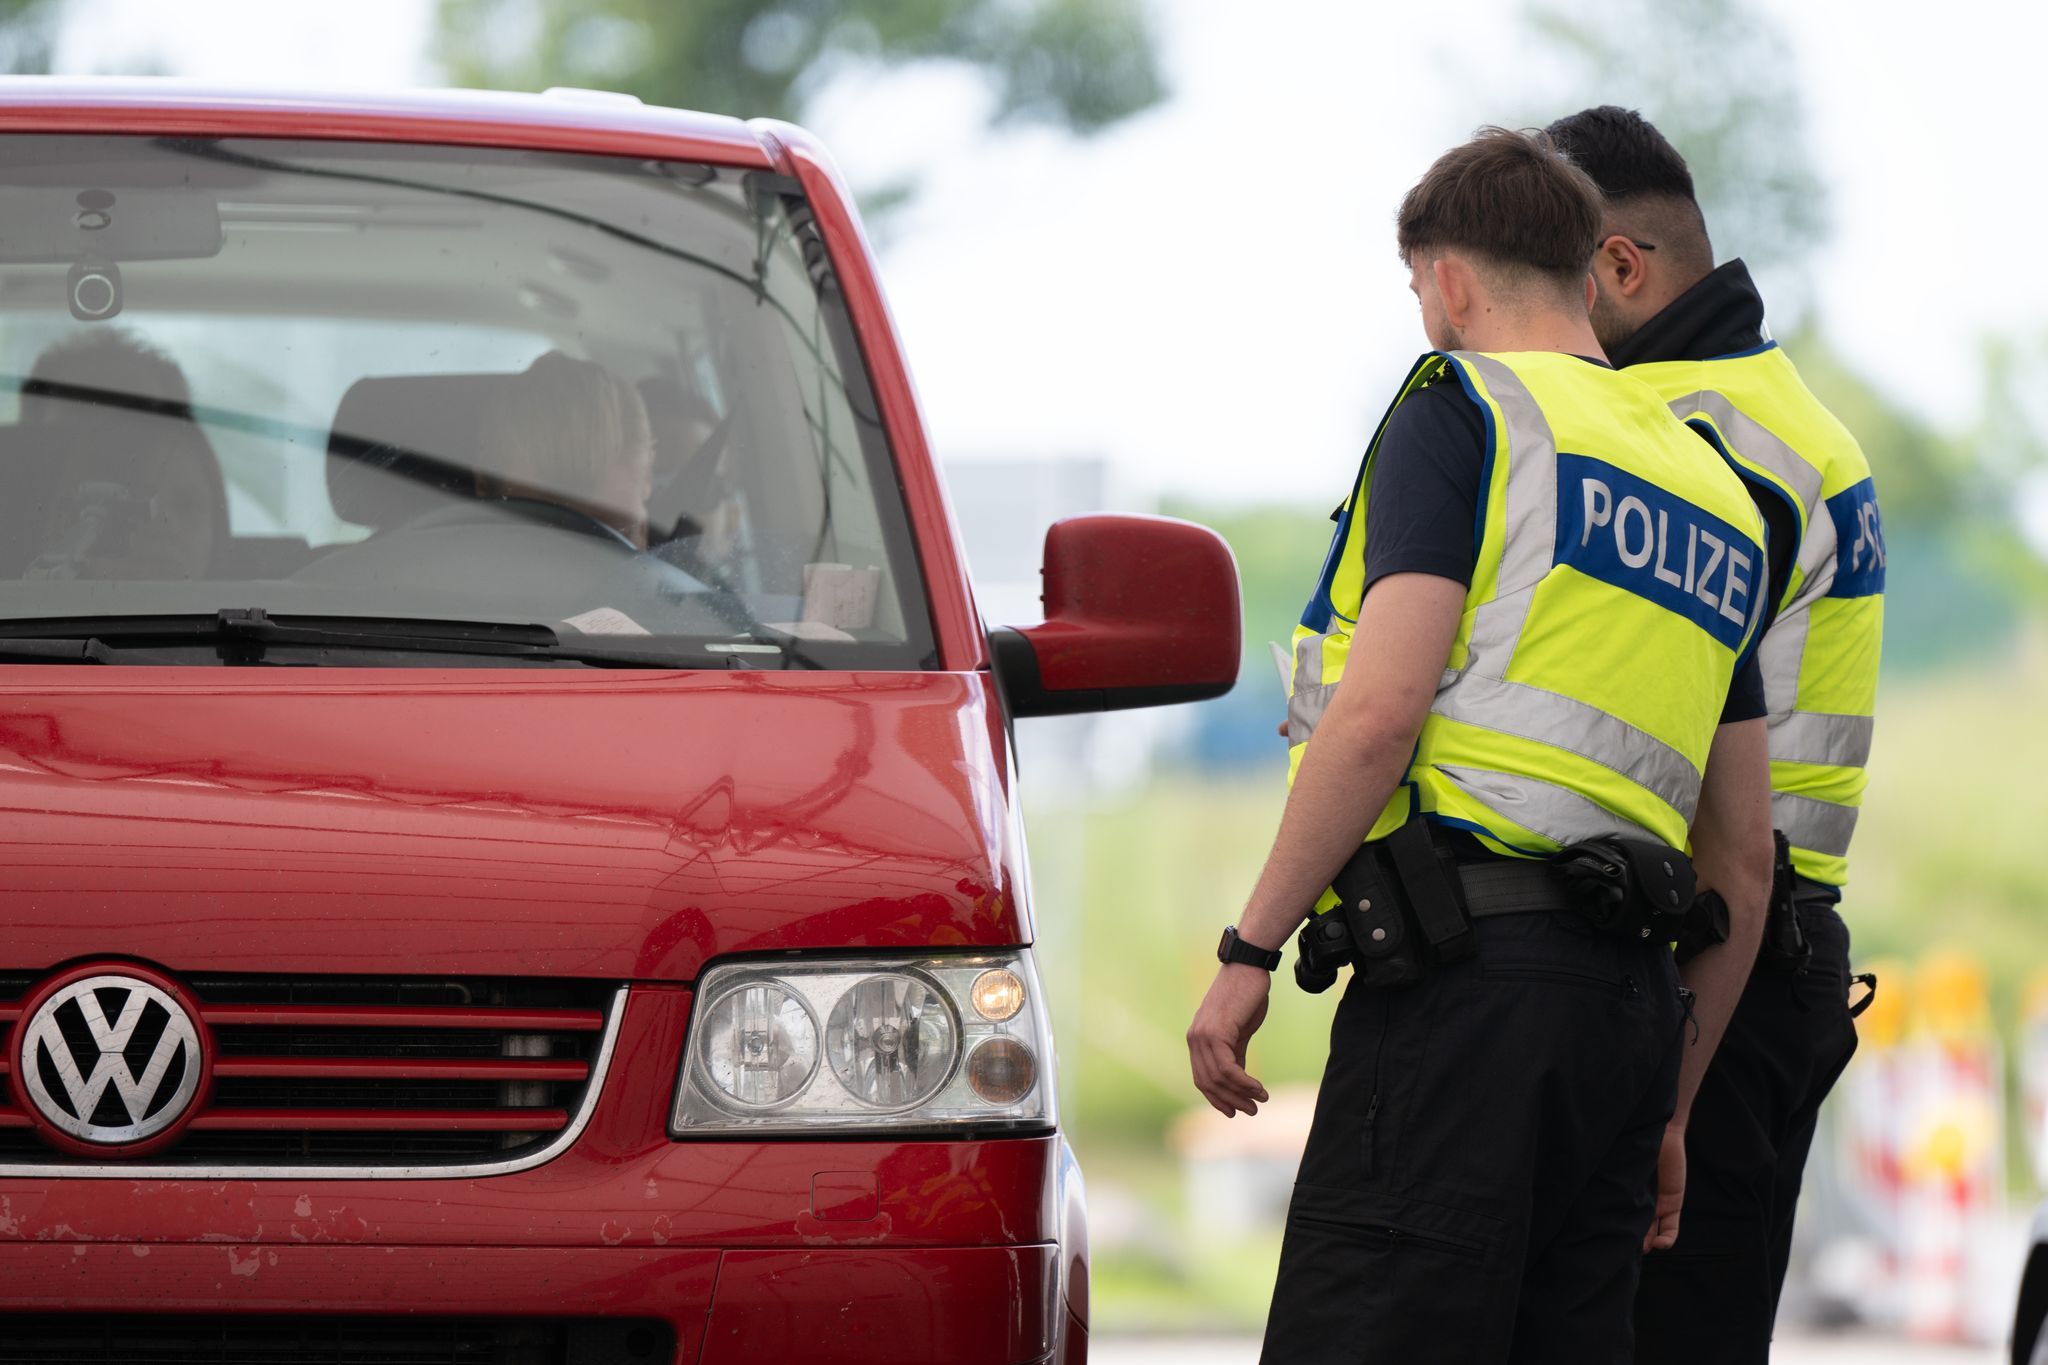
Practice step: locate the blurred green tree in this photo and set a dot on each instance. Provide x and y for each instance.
(28, 34)
(1279, 552)
(1078, 64)
(1960, 567)
(2004, 453)
(1719, 79)
(1923, 475)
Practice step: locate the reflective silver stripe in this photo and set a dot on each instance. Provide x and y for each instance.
(1308, 660)
(1530, 517)
(1496, 630)
(1821, 826)
(1818, 737)
(1753, 441)
(1782, 654)
(1780, 657)
(1310, 695)
(1532, 474)
(1305, 710)
(1554, 719)
(1817, 558)
(1540, 807)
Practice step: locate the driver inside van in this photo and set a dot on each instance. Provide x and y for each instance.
(701, 518)
(124, 484)
(571, 433)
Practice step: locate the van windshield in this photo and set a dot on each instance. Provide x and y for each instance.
(604, 401)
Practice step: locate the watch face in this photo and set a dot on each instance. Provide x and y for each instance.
(1223, 944)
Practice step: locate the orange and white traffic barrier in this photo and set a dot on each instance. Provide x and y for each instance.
(1872, 1100)
(2033, 1045)
(1951, 1155)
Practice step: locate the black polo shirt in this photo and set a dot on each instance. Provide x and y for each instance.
(1423, 510)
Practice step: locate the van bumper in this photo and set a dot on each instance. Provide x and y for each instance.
(830, 1253)
(824, 1306)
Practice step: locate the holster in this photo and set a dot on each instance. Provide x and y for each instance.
(1401, 899)
(1784, 949)
(1706, 924)
(1631, 888)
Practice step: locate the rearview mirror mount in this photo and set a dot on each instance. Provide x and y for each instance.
(54, 226)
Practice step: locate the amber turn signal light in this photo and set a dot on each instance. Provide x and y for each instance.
(997, 995)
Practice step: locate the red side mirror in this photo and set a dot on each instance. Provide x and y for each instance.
(1140, 611)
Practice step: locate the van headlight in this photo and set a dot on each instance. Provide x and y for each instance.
(936, 1043)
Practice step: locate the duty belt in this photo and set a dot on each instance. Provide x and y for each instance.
(1406, 904)
(1502, 886)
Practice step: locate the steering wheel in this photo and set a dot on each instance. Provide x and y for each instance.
(719, 596)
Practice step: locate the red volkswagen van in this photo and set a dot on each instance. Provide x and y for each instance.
(509, 845)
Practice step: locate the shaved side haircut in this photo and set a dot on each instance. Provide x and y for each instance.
(1648, 186)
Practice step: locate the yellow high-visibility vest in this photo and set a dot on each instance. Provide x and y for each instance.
(1619, 579)
(1819, 657)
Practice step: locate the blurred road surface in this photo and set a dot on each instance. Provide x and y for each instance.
(1830, 1350)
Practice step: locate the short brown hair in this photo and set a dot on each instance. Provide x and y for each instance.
(1511, 198)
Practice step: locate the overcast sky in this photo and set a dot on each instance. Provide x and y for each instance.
(1207, 295)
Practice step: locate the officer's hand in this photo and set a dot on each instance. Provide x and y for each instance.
(1663, 1233)
(1228, 1017)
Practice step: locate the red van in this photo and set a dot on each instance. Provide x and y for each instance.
(511, 847)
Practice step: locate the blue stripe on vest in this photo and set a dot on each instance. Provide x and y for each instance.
(1633, 535)
(1486, 461)
(1319, 611)
(1859, 542)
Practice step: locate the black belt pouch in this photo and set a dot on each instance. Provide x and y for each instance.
(1386, 947)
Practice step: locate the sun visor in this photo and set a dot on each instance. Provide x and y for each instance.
(55, 226)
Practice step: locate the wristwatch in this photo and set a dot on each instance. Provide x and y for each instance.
(1235, 949)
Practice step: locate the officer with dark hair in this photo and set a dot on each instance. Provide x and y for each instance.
(1522, 685)
(1695, 334)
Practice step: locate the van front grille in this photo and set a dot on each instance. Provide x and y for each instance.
(346, 1071)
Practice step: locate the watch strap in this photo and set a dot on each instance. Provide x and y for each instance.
(1235, 950)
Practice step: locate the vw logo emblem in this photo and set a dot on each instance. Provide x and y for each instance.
(110, 1059)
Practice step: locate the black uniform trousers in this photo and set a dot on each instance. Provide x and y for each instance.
(1481, 1168)
(1713, 1296)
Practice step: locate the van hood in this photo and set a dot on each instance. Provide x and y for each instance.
(603, 824)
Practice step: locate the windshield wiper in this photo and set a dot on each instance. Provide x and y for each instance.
(57, 651)
(245, 636)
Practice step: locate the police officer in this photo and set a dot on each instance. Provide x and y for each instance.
(1531, 637)
(1695, 333)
